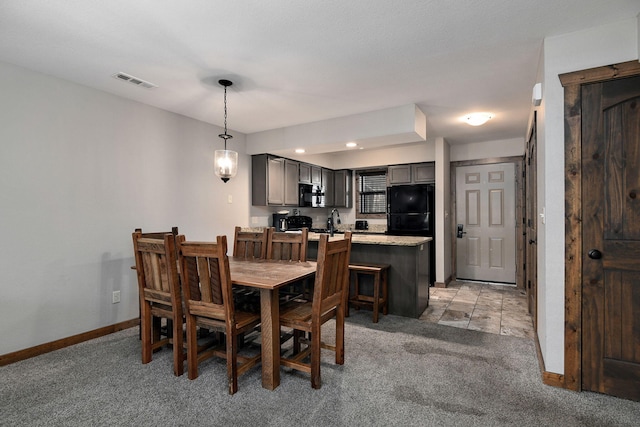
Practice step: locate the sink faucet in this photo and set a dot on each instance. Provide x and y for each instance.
(330, 225)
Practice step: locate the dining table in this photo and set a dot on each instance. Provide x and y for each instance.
(268, 276)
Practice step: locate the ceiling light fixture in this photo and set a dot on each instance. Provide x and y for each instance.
(351, 144)
(225, 161)
(477, 119)
(299, 150)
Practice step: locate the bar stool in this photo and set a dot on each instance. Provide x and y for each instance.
(379, 272)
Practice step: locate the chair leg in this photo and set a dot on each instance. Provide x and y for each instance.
(340, 336)
(376, 297)
(346, 308)
(178, 348)
(232, 361)
(385, 285)
(145, 328)
(315, 357)
(156, 330)
(192, 347)
(297, 334)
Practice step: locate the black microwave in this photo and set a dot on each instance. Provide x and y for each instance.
(310, 196)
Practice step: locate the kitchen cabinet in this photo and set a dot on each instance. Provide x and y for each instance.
(291, 182)
(310, 174)
(342, 188)
(413, 173)
(305, 173)
(409, 275)
(423, 172)
(274, 181)
(328, 184)
(399, 174)
(316, 175)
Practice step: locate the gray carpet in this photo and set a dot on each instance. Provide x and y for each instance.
(399, 372)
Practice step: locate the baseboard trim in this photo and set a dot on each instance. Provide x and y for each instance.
(442, 284)
(27, 353)
(549, 378)
(553, 379)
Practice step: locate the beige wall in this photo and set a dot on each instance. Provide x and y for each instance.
(80, 169)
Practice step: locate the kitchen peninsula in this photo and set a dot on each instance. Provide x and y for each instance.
(408, 257)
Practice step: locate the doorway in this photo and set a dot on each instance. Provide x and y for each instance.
(486, 223)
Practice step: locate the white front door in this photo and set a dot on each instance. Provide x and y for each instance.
(485, 217)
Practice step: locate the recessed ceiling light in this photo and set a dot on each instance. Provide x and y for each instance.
(351, 144)
(477, 119)
(299, 150)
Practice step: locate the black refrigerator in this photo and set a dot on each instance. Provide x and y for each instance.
(410, 212)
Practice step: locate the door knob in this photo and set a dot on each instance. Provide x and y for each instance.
(595, 254)
(531, 242)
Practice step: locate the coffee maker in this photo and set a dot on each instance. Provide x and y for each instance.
(280, 221)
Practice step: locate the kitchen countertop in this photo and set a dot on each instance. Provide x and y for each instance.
(366, 237)
(377, 239)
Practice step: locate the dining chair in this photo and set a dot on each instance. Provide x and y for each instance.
(251, 244)
(330, 294)
(166, 330)
(288, 246)
(160, 296)
(204, 269)
(283, 246)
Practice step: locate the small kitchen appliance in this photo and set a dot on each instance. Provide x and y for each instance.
(310, 196)
(280, 221)
(299, 222)
(362, 225)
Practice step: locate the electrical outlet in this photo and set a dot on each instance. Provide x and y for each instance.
(115, 298)
(229, 198)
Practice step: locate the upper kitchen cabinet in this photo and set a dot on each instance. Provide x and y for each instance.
(316, 175)
(274, 181)
(328, 184)
(399, 174)
(414, 173)
(310, 174)
(342, 187)
(423, 172)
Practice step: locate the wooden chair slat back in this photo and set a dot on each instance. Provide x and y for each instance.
(251, 244)
(156, 265)
(288, 246)
(204, 268)
(332, 274)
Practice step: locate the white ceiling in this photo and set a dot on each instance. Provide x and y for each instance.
(295, 61)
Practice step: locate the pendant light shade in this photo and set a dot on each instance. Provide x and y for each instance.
(225, 163)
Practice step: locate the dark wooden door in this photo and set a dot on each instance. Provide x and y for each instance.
(611, 237)
(531, 223)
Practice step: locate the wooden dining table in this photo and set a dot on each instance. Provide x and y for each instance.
(269, 276)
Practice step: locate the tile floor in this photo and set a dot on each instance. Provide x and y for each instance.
(495, 309)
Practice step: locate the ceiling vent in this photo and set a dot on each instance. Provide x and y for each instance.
(133, 80)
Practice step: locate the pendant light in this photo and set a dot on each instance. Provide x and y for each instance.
(225, 161)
